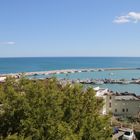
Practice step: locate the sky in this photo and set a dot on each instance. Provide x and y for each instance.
(44, 28)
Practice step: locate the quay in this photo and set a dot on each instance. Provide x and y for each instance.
(109, 81)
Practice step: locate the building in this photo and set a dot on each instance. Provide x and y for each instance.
(122, 105)
(2, 79)
(127, 105)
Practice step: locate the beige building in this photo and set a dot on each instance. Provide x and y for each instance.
(119, 104)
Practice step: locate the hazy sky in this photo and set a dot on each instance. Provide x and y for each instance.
(69, 28)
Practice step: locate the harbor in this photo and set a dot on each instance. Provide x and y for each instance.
(115, 79)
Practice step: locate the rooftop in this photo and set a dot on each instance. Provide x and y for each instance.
(126, 97)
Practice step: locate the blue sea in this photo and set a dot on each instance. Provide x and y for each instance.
(14, 65)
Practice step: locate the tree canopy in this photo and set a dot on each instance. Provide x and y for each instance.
(48, 110)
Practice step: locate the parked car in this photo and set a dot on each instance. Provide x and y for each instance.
(129, 135)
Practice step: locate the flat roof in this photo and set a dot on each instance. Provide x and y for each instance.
(126, 97)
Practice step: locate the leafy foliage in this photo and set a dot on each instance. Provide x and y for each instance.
(47, 110)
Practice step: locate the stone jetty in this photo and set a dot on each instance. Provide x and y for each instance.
(67, 71)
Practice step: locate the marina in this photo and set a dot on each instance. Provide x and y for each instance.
(116, 79)
(119, 74)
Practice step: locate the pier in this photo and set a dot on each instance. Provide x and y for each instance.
(103, 81)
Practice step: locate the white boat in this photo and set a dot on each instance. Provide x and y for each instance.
(111, 73)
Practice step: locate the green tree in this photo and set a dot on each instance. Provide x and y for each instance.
(47, 110)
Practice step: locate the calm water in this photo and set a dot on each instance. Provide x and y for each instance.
(13, 65)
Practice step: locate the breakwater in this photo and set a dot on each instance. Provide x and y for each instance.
(66, 71)
(87, 81)
(109, 81)
(116, 79)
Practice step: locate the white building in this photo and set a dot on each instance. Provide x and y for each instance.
(118, 104)
(2, 79)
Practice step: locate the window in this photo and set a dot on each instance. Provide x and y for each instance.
(126, 109)
(127, 133)
(115, 110)
(109, 104)
(110, 97)
(123, 110)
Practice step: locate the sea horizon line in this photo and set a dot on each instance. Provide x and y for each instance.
(71, 57)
